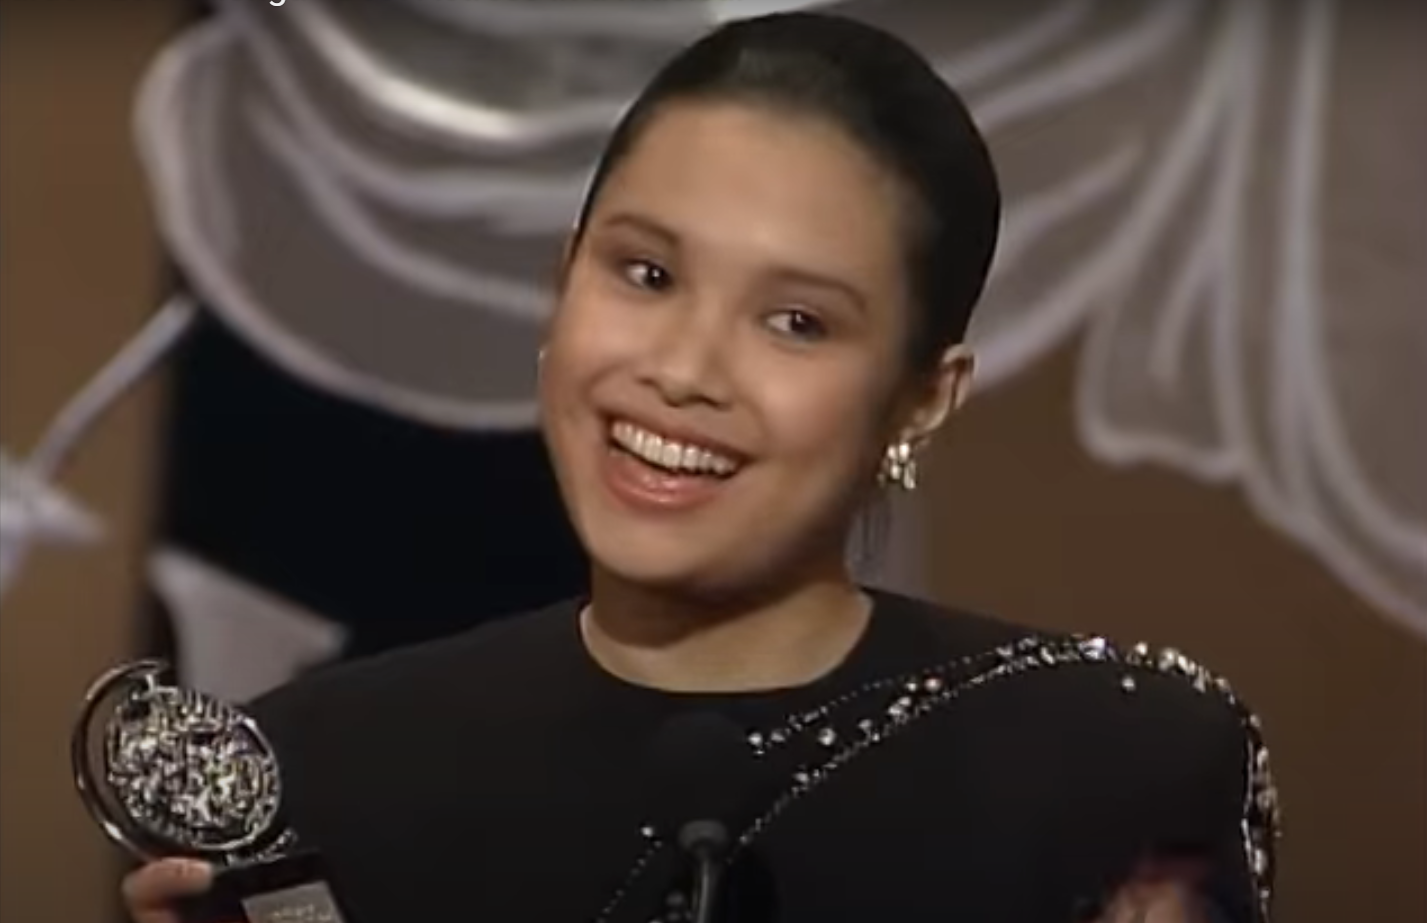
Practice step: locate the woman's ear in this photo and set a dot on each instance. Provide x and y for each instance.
(944, 394)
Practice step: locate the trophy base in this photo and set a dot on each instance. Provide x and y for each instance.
(292, 889)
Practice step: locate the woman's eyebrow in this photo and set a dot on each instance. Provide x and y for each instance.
(641, 223)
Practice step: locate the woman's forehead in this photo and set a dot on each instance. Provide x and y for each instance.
(736, 177)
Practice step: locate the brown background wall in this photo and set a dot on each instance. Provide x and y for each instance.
(78, 274)
(1026, 525)
(1023, 523)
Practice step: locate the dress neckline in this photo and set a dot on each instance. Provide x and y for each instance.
(874, 649)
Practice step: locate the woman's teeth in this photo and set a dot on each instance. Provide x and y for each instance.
(669, 454)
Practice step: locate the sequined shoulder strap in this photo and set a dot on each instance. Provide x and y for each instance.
(819, 742)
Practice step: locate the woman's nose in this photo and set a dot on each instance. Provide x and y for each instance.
(687, 363)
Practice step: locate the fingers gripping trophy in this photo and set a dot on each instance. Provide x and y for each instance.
(171, 772)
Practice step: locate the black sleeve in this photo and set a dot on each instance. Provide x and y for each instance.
(1160, 762)
(1236, 792)
(1204, 795)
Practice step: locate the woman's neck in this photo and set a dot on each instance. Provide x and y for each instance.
(773, 640)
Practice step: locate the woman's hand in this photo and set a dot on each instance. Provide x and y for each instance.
(152, 892)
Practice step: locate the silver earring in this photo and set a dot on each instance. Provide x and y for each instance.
(899, 468)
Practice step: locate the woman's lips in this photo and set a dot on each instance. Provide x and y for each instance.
(641, 486)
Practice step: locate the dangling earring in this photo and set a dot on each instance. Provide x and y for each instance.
(899, 468)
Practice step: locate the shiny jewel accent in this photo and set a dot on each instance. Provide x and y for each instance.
(1260, 825)
(905, 692)
(651, 850)
(1096, 648)
(852, 723)
(910, 697)
(899, 468)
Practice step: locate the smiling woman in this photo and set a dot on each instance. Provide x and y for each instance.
(716, 306)
(759, 326)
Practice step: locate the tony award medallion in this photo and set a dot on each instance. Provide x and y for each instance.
(168, 771)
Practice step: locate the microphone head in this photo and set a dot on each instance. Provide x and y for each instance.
(705, 836)
(703, 777)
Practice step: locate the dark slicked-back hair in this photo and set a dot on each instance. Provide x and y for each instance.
(885, 95)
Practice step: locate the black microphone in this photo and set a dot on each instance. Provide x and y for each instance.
(706, 841)
(705, 781)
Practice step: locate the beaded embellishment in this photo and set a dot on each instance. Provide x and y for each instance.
(898, 701)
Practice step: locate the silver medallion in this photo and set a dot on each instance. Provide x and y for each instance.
(169, 771)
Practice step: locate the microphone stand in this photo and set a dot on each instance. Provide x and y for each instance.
(706, 841)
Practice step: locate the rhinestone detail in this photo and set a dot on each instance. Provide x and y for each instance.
(915, 695)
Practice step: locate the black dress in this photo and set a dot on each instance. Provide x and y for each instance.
(953, 768)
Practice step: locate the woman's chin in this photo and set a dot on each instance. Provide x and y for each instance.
(663, 567)
(658, 570)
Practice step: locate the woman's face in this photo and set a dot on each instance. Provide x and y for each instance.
(721, 369)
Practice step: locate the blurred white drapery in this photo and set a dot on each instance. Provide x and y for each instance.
(373, 193)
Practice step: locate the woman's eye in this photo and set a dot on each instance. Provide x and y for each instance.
(799, 324)
(646, 275)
